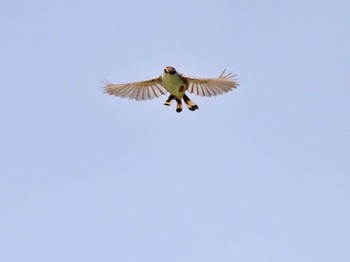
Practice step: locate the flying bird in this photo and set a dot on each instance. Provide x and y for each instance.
(177, 85)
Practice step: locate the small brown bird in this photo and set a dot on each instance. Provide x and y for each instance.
(176, 84)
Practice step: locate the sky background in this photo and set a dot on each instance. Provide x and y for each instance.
(259, 174)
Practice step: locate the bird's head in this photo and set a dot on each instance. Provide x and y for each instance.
(170, 70)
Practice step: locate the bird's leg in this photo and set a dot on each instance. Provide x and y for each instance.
(169, 100)
(179, 105)
(190, 104)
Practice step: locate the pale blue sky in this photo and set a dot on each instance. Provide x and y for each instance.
(259, 174)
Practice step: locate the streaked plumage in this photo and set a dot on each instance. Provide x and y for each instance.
(176, 84)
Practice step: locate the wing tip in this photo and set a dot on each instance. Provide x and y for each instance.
(231, 77)
(104, 86)
(228, 75)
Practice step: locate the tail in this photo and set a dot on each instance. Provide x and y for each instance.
(190, 104)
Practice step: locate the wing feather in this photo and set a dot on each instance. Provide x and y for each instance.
(159, 90)
(142, 90)
(225, 82)
(205, 90)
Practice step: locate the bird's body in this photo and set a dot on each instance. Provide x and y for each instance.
(173, 84)
(176, 84)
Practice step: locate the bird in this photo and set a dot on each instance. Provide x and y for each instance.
(176, 84)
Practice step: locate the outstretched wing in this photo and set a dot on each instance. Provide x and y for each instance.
(142, 90)
(225, 82)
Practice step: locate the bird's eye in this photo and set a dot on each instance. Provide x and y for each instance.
(165, 70)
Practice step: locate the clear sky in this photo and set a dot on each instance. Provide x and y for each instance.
(259, 174)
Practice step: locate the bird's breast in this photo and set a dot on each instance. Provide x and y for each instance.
(174, 84)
